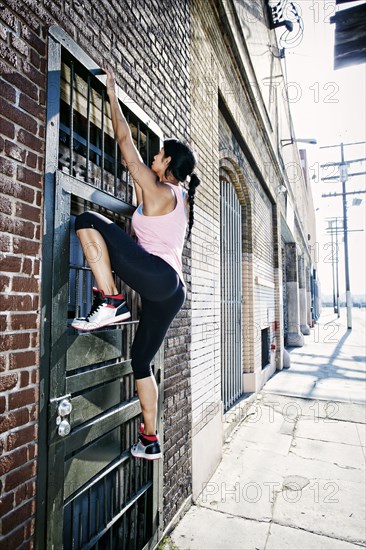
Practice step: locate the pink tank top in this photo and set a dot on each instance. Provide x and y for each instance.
(164, 235)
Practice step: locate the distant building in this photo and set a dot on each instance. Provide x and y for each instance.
(350, 34)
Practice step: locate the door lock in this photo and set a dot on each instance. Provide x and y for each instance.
(64, 428)
(64, 408)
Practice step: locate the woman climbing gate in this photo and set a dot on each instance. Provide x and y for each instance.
(152, 266)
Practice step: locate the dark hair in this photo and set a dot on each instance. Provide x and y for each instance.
(181, 166)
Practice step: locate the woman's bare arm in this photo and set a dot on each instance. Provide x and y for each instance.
(142, 175)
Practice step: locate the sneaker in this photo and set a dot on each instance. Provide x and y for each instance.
(106, 310)
(146, 448)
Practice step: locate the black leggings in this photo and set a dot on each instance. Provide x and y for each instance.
(161, 290)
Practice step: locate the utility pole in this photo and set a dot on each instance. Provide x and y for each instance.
(344, 177)
(335, 260)
(333, 277)
(337, 277)
(343, 172)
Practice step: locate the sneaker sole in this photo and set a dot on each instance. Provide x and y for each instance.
(116, 321)
(146, 457)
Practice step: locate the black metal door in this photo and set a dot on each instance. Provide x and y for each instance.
(92, 492)
(284, 291)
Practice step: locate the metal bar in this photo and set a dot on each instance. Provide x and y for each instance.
(88, 131)
(341, 194)
(72, 523)
(116, 148)
(105, 500)
(96, 196)
(231, 285)
(240, 263)
(80, 533)
(71, 120)
(344, 144)
(339, 177)
(127, 171)
(80, 139)
(241, 300)
(227, 280)
(232, 289)
(47, 493)
(333, 275)
(89, 431)
(88, 379)
(341, 231)
(337, 163)
(337, 270)
(345, 239)
(89, 512)
(237, 296)
(229, 292)
(102, 154)
(226, 295)
(222, 308)
(223, 293)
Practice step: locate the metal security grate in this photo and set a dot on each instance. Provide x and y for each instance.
(265, 358)
(284, 292)
(231, 295)
(92, 493)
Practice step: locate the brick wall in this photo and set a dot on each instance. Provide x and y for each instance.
(22, 117)
(205, 347)
(260, 243)
(149, 43)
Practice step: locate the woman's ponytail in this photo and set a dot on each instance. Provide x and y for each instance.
(193, 184)
(182, 164)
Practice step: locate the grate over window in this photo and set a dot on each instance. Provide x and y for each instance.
(231, 294)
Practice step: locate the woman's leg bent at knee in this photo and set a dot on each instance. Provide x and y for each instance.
(144, 272)
(96, 252)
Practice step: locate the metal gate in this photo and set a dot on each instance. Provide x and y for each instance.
(91, 492)
(231, 295)
(284, 292)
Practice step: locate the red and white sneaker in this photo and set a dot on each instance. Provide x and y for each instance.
(148, 446)
(105, 311)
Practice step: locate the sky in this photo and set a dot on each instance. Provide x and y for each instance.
(329, 105)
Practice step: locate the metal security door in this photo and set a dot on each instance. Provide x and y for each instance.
(92, 492)
(231, 295)
(284, 292)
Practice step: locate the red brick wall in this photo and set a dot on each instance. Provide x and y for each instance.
(150, 42)
(22, 119)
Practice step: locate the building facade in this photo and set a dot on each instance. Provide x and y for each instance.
(189, 69)
(253, 300)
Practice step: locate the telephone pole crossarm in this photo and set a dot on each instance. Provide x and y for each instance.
(341, 194)
(338, 178)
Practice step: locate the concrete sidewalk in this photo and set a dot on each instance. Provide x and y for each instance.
(292, 474)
